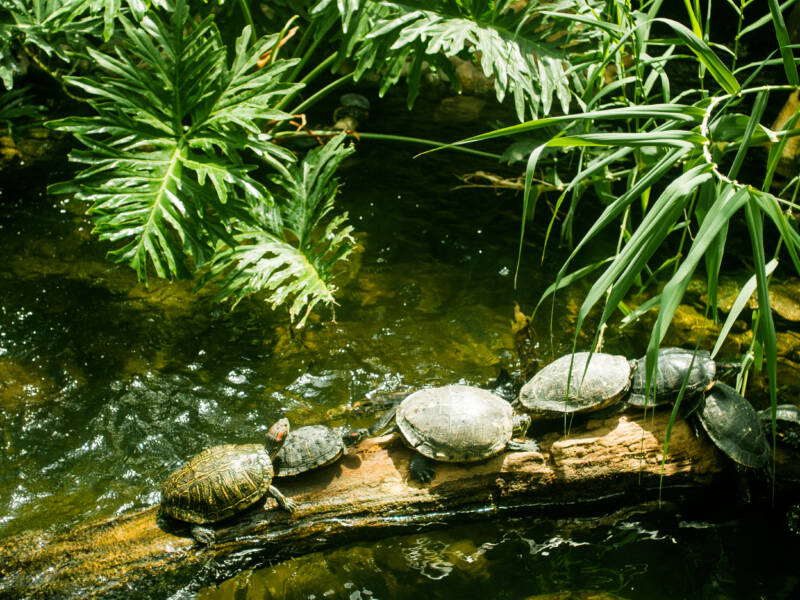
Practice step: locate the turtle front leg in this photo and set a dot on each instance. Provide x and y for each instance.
(422, 468)
(523, 446)
(286, 503)
(204, 534)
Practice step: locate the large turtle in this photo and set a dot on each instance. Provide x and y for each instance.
(675, 365)
(314, 446)
(222, 481)
(605, 381)
(787, 421)
(734, 426)
(457, 423)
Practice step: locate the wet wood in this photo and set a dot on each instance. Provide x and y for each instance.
(369, 490)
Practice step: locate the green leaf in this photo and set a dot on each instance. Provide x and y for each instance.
(292, 264)
(738, 305)
(706, 56)
(784, 43)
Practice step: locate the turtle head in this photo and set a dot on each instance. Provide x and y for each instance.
(276, 436)
(351, 438)
(520, 424)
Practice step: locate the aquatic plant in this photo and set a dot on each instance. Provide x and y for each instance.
(669, 167)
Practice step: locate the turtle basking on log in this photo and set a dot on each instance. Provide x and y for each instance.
(568, 385)
(693, 371)
(456, 423)
(734, 426)
(314, 446)
(222, 481)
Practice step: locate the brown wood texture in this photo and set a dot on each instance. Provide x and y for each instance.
(368, 490)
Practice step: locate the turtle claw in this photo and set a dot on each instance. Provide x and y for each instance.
(422, 469)
(204, 535)
(285, 503)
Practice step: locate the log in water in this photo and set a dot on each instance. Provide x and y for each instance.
(369, 490)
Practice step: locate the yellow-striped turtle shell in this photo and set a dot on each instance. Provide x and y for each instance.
(217, 483)
(312, 447)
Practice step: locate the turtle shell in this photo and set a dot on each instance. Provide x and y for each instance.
(217, 483)
(606, 381)
(673, 366)
(307, 448)
(353, 100)
(455, 423)
(787, 417)
(734, 426)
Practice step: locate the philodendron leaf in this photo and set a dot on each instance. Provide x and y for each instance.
(292, 264)
(166, 171)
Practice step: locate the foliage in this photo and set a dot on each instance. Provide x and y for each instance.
(50, 28)
(263, 259)
(166, 174)
(523, 49)
(679, 159)
(169, 152)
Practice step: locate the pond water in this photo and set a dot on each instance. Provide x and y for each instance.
(106, 387)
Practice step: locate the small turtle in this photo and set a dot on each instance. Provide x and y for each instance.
(606, 380)
(222, 481)
(457, 423)
(674, 364)
(312, 447)
(353, 110)
(787, 419)
(734, 426)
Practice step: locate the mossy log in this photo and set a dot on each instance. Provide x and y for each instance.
(138, 555)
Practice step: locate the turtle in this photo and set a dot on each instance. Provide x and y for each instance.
(223, 480)
(457, 423)
(734, 426)
(606, 381)
(787, 420)
(314, 446)
(353, 109)
(674, 364)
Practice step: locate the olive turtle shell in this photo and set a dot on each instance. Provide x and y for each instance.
(671, 370)
(787, 417)
(607, 379)
(734, 426)
(308, 448)
(455, 423)
(217, 483)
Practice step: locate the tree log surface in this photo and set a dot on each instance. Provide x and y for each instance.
(368, 489)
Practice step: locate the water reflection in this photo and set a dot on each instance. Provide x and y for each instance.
(652, 556)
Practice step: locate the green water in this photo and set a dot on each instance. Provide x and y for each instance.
(106, 387)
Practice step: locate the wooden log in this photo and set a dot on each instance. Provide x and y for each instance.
(368, 490)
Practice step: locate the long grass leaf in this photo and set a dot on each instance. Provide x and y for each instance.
(738, 306)
(784, 43)
(706, 56)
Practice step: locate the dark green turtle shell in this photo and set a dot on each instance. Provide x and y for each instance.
(308, 448)
(455, 423)
(734, 426)
(787, 417)
(353, 100)
(607, 379)
(673, 365)
(217, 483)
